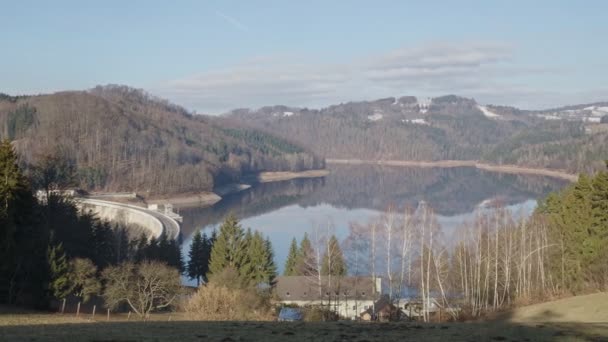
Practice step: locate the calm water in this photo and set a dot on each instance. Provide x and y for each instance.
(287, 209)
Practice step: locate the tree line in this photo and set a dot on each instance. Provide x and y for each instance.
(302, 260)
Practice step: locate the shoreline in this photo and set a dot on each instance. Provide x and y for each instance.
(277, 176)
(207, 198)
(511, 169)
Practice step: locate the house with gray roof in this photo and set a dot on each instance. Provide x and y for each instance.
(346, 296)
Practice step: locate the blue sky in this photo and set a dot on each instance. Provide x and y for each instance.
(211, 56)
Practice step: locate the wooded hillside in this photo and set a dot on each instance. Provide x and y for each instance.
(448, 127)
(119, 138)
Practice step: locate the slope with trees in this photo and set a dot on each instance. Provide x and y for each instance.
(451, 127)
(118, 138)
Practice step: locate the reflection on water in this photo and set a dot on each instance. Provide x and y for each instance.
(287, 209)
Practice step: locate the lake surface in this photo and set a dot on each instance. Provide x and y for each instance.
(360, 193)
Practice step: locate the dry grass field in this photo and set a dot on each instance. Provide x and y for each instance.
(581, 318)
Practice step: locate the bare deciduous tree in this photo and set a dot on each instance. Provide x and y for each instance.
(144, 287)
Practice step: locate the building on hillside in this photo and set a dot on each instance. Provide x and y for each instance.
(346, 296)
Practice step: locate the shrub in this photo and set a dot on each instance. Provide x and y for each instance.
(214, 302)
(225, 298)
(318, 314)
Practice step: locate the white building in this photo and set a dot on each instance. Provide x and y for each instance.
(347, 296)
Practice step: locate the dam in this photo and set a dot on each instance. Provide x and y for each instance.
(155, 222)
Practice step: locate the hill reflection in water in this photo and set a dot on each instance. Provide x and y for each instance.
(287, 209)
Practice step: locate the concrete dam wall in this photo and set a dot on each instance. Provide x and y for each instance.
(154, 222)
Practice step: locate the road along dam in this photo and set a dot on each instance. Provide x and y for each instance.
(157, 223)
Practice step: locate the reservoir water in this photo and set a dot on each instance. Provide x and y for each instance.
(357, 194)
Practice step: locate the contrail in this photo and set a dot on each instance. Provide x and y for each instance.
(233, 21)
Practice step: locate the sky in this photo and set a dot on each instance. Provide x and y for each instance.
(213, 56)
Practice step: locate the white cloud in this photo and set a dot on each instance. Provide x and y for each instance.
(478, 69)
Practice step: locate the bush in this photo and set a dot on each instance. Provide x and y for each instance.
(225, 298)
(214, 302)
(318, 314)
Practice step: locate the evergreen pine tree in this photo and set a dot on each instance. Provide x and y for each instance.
(164, 253)
(292, 260)
(59, 271)
(253, 271)
(333, 259)
(206, 252)
(271, 268)
(140, 248)
(306, 258)
(175, 258)
(598, 239)
(121, 245)
(152, 250)
(212, 238)
(102, 253)
(260, 267)
(229, 249)
(22, 270)
(196, 255)
(13, 189)
(13, 184)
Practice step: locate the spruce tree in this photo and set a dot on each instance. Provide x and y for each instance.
(206, 252)
(13, 190)
(292, 260)
(140, 248)
(102, 253)
(59, 271)
(229, 249)
(333, 259)
(164, 249)
(598, 239)
(152, 250)
(13, 184)
(194, 269)
(174, 254)
(271, 268)
(121, 245)
(253, 272)
(23, 272)
(306, 258)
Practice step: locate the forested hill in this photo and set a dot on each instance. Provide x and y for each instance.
(119, 138)
(573, 138)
